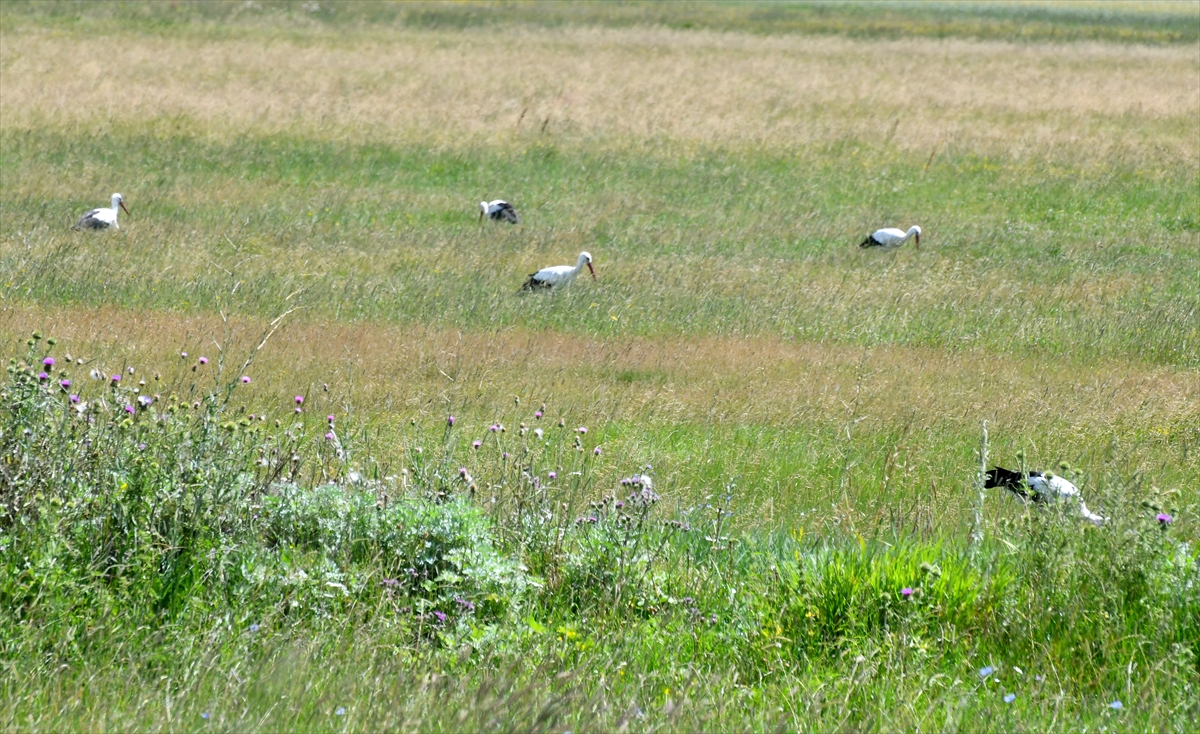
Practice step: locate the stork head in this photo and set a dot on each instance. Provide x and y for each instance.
(118, 200)
(585, 258)
(482, 209)
(915, 231)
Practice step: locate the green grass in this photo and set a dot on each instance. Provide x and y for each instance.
(1156, 23)
(812, 413)
(720, 243)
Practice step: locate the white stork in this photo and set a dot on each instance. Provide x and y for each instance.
(102, 218)
(892, 237)
(497, 210)
(558, 275)
(1043, 487)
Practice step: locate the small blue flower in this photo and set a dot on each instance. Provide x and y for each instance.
(1009, 698)
(341, 711)
(254, 627)
(206, 716)
(986, 671)
(1116, 705)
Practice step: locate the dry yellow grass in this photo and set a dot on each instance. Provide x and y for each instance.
(479, 85)
(397, 372)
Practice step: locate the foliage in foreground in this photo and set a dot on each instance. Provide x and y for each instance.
(239, 571)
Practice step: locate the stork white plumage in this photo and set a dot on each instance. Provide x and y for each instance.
(102, 218)
(558, 275)
(1038, 487)
(892, 237)
(498, 209)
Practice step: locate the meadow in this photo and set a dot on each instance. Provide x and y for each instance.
(303, 180)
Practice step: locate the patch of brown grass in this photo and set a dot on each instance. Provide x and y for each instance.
(484, 86)
(395, 372)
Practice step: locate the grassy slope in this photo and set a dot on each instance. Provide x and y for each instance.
(1040, 266)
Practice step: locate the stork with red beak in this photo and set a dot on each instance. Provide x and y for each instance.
(892, 237)
(102, 218)
(558, 275)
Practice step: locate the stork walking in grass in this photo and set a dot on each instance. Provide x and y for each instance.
(1038, 487)
(558, 275)
(498, 210)
(892, 237)
(102, 218)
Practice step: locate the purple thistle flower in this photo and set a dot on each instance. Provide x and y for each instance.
(552, 475)
(245, 379)
(204, 360)
(538, 415)
(299, 400)
(329, 436)
(299, 410)
(48, 361)
(476, 444)
(145, 400)
(504, 455)
(329, 418)
(129, 409)
(450, 420)
(74, 398)
(494, 427)
(596, 451)
(65, 384)
(441, 616)
(43, 376)
(462, 471)
(906, 592)
(116, 378)
(183, 355)
(581, 429)
(1164, 519)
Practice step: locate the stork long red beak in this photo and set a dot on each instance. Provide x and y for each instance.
(918, 239)
(122, 205)
(592, 270)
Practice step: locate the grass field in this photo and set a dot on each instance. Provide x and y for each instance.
(310, 172)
